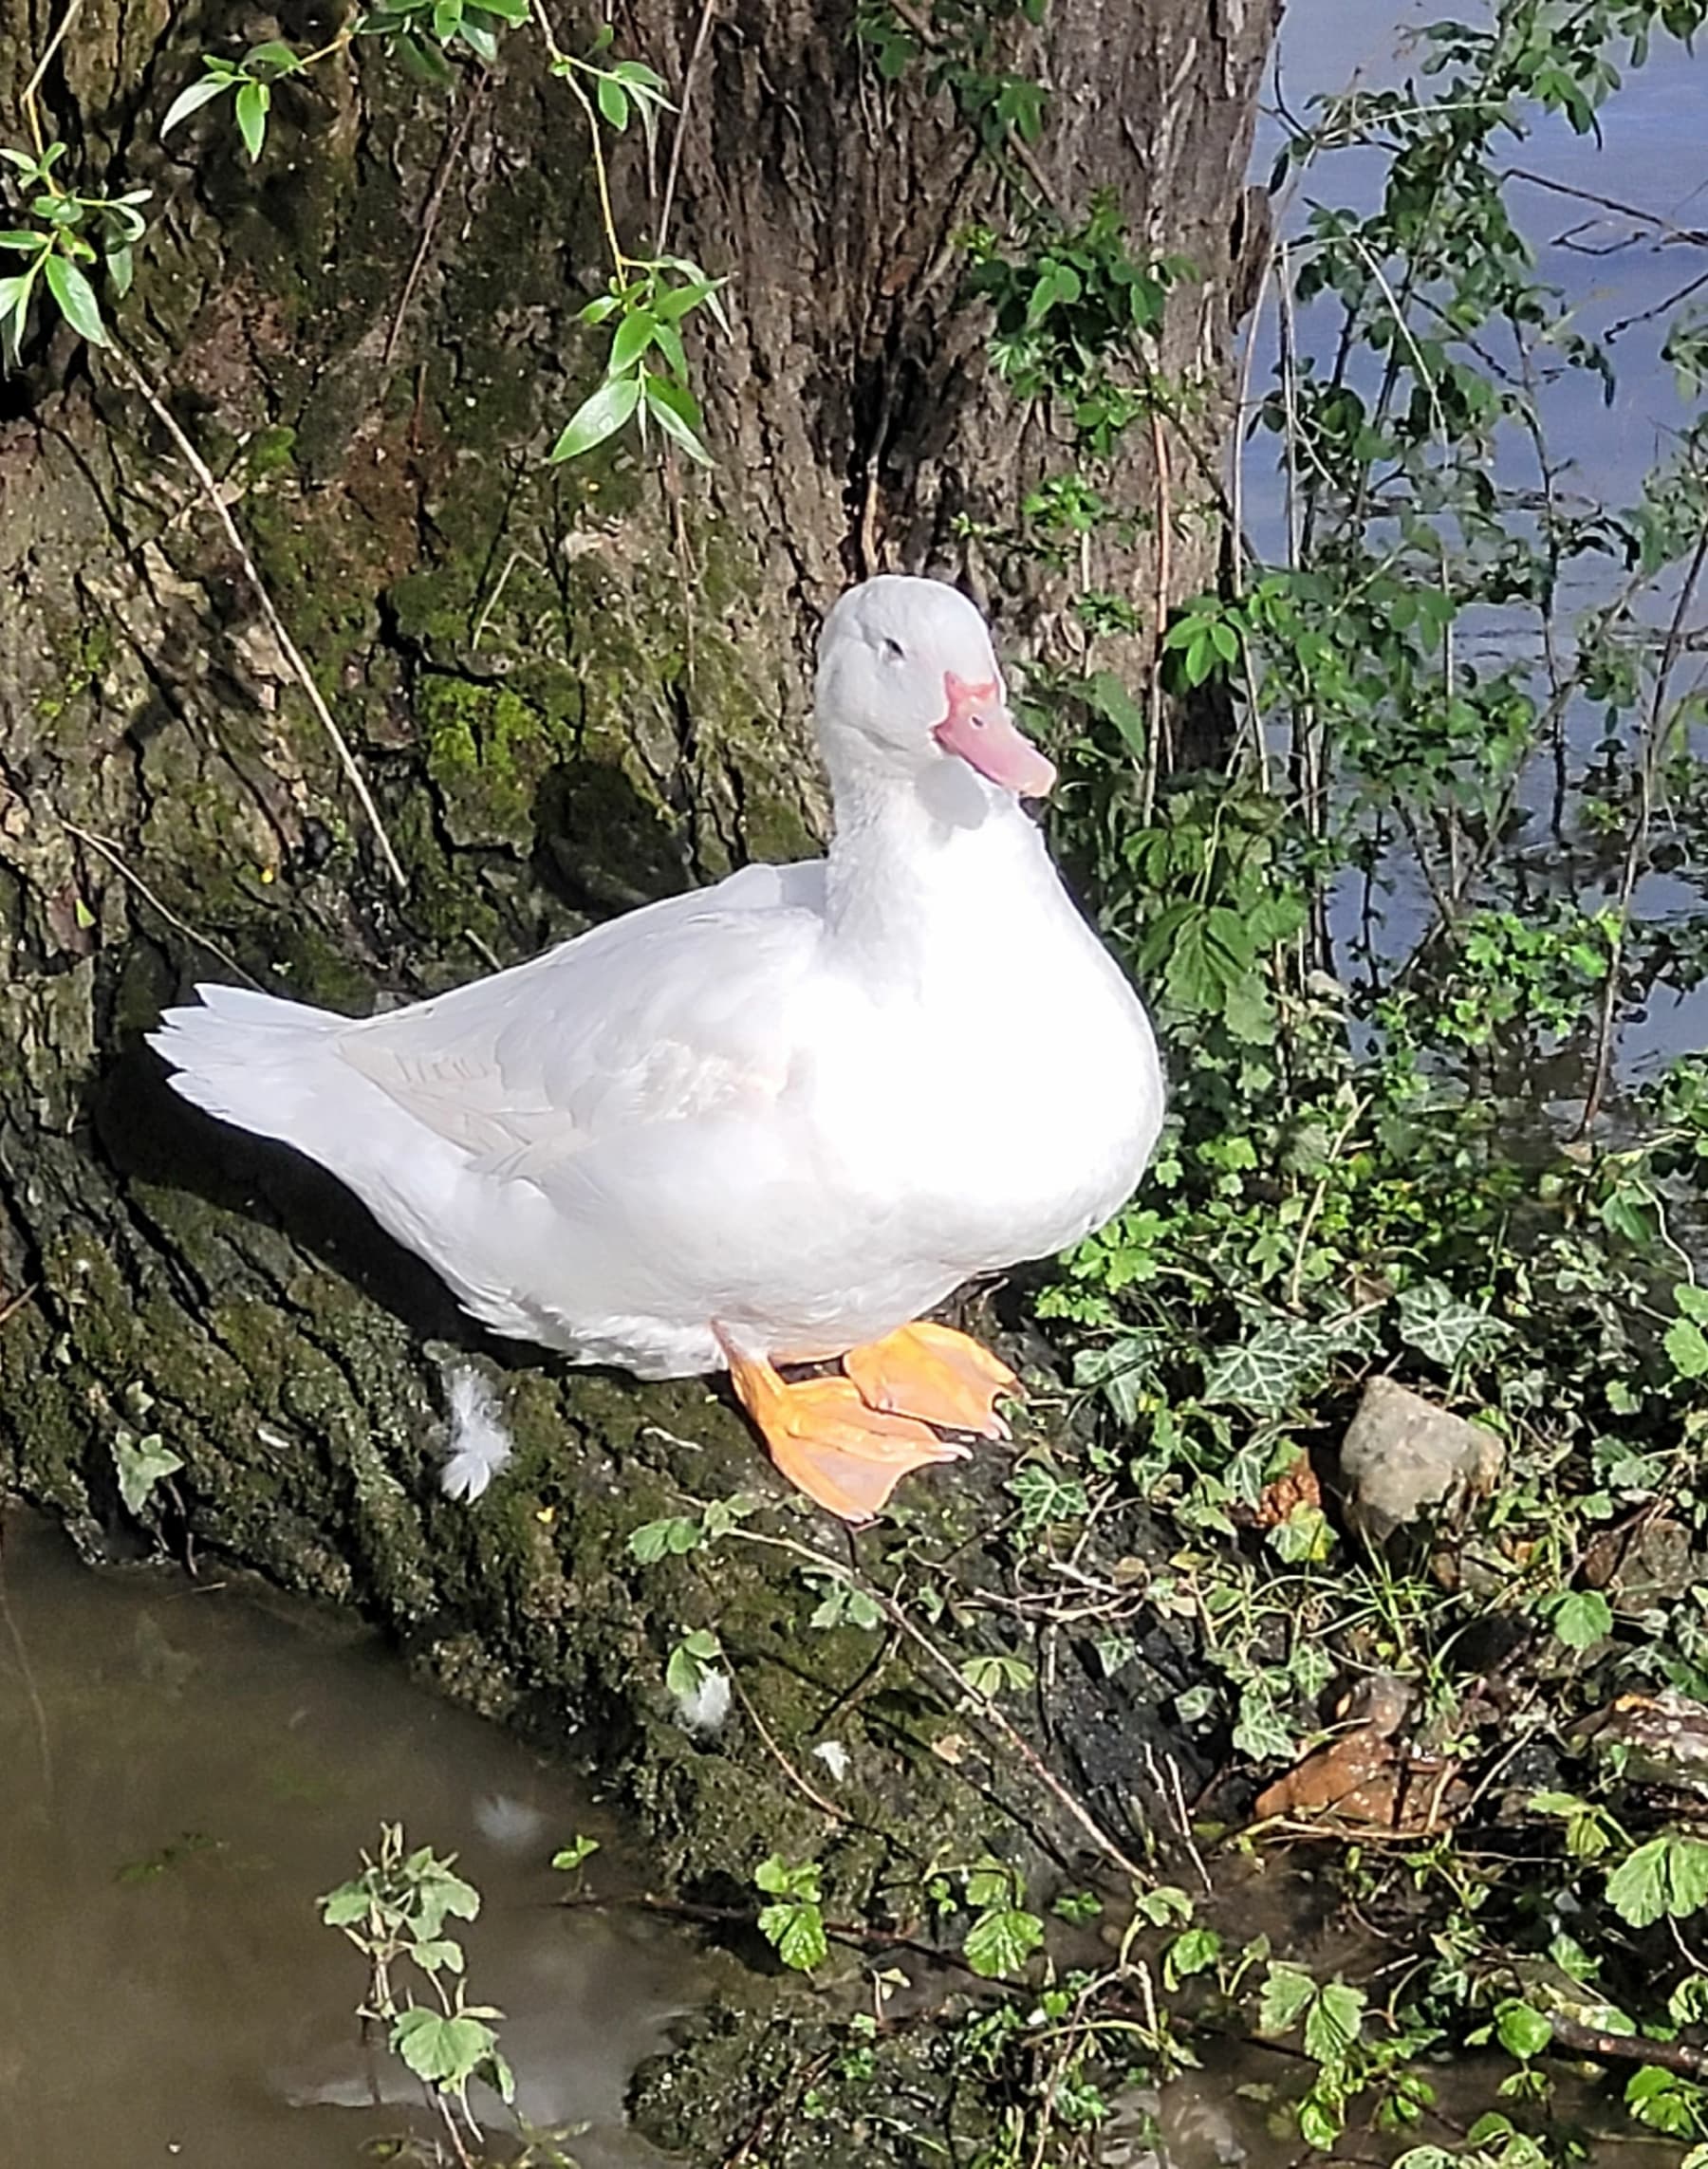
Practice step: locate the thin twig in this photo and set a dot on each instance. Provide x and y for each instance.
(198, 467)
(28, 96)
(1654, 743)
(996, 1718)
(787, 1768)
(671, 170)
(1153, 736)
(24, 1296)
(1021, 149)
(110, 853)
(430, 213)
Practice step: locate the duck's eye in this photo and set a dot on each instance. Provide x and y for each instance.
(893, 650)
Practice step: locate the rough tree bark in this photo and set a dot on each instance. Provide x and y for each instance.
(571, 690)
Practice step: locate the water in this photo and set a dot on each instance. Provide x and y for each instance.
(1620, 271)
(183, 1769)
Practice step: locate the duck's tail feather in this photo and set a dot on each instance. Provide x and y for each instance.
(267, 1065)
(276, 1069)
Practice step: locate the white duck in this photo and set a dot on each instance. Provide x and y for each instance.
(771, 1122)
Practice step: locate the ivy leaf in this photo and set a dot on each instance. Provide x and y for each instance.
(1523, 2029)
(1262, 1374)
(991, 1675)
(1260, 1735)
(1001, 1942)
(76, 298)
(1443, 1328)
(141, 1463)
(599, 415)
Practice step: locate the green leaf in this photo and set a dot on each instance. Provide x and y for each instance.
(193, 97)
(1691, 1301)
(580, 1848)
(344, 1906)
(1687, 1348)
(141, 1463)
(1001, 1940)
(446, 2052)
(1637, 1889)
(990, 1676)
(778, 1879)
(1108, 697)
(1523, 2029)
(1262, 1374)
(1333, 2022)
(477, 35)
(676, 413)
(438, 1953)
(796, 1932)
(14, 309)
(635, 334)
(598, 416)
(76, 298)
(1194, 1950)
(676, 304)
(1686, 1876)
(122, 269)
(613, 103)
(690, 1661)
(671, 1537)
(1260, 1732)
(1581, 1617)
(426, 64)
(25, 238)
(1444, 1330)
(253, 102)
(1287, 1992)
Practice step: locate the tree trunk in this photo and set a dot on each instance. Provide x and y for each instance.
(570, 690)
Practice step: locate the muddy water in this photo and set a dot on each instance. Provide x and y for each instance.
(183, 1769)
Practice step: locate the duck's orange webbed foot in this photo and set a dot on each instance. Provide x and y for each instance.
(936, 1374)
(829, 1442)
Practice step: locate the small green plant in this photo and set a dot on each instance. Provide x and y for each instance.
(1005, 1934)
(793, 1920)
(396, 1912)
(141, 1463)
(69, 234)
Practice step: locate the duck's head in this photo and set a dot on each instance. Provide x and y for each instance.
(908, 681)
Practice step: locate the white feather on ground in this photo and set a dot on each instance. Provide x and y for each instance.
(703, 1709)
(480, 1445)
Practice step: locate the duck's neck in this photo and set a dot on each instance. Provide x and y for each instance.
(920, 880)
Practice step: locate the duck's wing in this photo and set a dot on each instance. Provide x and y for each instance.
(669, 1012)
